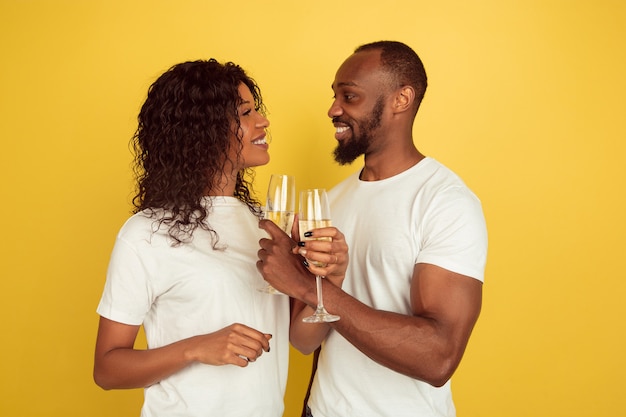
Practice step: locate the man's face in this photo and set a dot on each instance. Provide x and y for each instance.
(359, 104)
(362, 134)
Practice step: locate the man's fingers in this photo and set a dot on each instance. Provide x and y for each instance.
(295, 229)
(272, 229)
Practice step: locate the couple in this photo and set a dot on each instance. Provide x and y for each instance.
(406, 279)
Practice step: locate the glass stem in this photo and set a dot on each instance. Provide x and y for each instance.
(320, 301)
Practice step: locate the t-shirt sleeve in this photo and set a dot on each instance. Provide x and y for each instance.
(455, 234)
(127, 296)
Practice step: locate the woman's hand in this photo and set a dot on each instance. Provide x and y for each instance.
(236, 344)
(117, 364)
(327, 247)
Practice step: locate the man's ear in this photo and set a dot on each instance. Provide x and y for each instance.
(404, 99)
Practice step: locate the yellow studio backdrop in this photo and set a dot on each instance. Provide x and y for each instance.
(526, 102)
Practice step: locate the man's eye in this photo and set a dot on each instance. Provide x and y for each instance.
(346, 97)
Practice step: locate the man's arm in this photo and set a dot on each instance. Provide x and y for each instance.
(427, 345)
(281, 264)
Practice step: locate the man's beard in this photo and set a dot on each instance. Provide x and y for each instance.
(347, 151)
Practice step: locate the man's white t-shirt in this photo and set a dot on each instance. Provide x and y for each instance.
(425, 214)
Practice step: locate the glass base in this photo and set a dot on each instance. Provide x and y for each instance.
(321, 316)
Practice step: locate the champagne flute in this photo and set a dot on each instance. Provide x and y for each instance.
(280, 207)
(315, 213)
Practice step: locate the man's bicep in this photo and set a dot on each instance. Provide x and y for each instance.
(452, 300)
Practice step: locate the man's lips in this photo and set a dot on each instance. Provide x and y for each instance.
(341, 131)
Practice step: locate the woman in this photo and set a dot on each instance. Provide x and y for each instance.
(183, 265)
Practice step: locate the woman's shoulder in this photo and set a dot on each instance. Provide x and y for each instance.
(139, 225)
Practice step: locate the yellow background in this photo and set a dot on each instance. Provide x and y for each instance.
(527, 102)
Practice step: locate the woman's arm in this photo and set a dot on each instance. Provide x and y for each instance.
(118, 365)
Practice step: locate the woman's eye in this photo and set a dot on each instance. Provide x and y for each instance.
(246, 112)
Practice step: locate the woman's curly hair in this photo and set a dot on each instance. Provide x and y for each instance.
(182, 144)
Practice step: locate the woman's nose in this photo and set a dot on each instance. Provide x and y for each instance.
(263, 121)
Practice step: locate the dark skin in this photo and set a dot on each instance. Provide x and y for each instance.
(292, 258)
(428, 344)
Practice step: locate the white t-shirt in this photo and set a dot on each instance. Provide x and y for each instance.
(425, 214)
(193, 289)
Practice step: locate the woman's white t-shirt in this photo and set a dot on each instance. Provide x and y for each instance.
(181, 291)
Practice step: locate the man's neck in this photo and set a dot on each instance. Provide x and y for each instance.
(388, 164)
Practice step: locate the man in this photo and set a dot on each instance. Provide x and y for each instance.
(417, 249)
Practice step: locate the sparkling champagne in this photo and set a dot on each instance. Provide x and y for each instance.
(283, 219)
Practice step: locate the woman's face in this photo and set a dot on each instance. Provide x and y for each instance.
(254, 148)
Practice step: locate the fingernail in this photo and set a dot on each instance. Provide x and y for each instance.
(305, 263)
(301, 243)
(308, 234)
(302, 252)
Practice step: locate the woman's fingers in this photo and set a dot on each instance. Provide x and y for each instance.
(236, 344)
